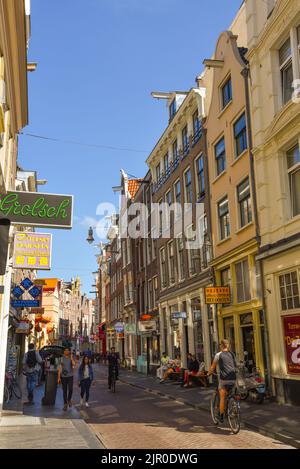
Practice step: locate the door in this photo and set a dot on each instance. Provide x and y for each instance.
(248, 346)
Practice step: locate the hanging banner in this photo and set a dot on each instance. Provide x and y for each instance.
(27, 295)
(36, 209)
(291, 327)
(32, 251)
(147, 326)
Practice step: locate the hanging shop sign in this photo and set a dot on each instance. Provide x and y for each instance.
(36, 209)
(22, 327)
(130, 328)
(178, 315)
(147, 326)
(32, 251)
(217, 295)
(291, 327)
(27, 295)
(119, 327)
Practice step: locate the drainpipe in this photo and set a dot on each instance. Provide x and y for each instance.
(246, 74)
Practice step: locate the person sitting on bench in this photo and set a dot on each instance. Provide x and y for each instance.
(193, 370)
(174, 367)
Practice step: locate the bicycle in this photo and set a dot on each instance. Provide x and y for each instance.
(11, 387)
(232, 408)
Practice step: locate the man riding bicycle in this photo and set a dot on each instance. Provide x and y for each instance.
(226, 362)
(113, 363)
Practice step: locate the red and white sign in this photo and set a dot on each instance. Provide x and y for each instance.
(291, 327)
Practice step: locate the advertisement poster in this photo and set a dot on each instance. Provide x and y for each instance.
(291, 328)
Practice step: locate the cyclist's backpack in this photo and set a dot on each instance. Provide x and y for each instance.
(31, 359)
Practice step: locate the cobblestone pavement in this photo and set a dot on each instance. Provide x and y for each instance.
(133, 418)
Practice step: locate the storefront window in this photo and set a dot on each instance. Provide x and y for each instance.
(229, 332)
(247, 332)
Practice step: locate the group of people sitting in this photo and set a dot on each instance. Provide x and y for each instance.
(194, 368)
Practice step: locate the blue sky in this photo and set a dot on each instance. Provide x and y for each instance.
(98, 61)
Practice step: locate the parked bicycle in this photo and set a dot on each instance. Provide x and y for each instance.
(11, 387)
(232, 408)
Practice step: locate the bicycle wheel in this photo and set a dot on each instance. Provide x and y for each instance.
(214, 408)
(16, 390)
(234, 415)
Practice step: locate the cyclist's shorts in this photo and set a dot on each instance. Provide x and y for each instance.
(226, 384)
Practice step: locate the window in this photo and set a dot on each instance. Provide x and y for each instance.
(172, 109)
(242, 281)
(200, 176)
(188, 186)
(289, 291)
(244, 201)
(193, 254)
(177, 194)
(240, 135)
(226, 278)
(204, 240)
(220, 156)
(157, 170)
(226, 93)
(169, 198)
(185, 141)
(160, 218)
(163, 268)
(155, 291)
(180, 255)
(150, 294)
(286, 70)
(166, 164)
(175, 151)
(293, 164)
(196, 127)
(224, 222)
(171, 257)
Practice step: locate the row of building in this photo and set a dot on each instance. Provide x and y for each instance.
(67, 315)
(231, 147)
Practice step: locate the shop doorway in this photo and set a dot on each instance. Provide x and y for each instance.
(229, 332)
(248, 344)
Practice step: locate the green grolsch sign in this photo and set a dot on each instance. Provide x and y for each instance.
(35, 209)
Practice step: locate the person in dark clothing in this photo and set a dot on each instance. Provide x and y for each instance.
(85, 379)
(65, 377)
(113, 363)
(193, 368)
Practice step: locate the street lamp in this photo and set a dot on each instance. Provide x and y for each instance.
(90, 239)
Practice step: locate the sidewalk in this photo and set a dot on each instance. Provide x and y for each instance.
(280, 422)
(44, 427)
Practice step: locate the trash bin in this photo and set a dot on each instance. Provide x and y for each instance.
(50, 387)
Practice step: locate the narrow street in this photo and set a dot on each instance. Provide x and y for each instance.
(134, 418)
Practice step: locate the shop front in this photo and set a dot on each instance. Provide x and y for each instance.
(148, 346)
(282, 283)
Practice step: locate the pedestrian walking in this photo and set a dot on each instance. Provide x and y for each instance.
(85, 379)
(65, 377)
(31, 366)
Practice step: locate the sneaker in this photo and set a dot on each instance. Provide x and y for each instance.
(162, 381)
(81, 401)
(65, 407)
(70, 403)
(87, 404)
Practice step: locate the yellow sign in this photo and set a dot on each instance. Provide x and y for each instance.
(32, 251)
(217, 295)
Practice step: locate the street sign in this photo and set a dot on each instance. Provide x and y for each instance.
(32, 251)
(36, 209)
(147, 326)
(178, 315)
(119, 327)
(217, 295)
